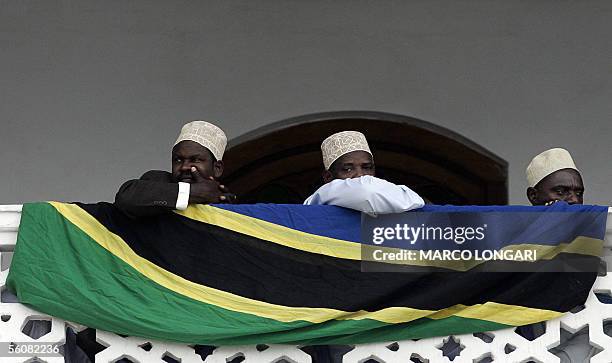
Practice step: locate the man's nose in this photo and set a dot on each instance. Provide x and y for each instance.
(572, 198)
(358, 172)
(186, 165)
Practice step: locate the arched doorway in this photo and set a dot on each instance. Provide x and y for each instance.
(281, 162)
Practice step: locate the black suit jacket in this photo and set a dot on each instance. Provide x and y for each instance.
(153, 194)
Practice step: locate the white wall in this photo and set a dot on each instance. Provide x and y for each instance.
(93, 93)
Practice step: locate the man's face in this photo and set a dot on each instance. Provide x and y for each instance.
(187, 154)
(565, 185)
(350, 165)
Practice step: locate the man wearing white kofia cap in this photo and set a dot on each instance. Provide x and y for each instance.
(552, 176)
(196, 166)
(350, 181)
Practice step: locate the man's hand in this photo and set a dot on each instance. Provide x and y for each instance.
(227, 197)
(208, 190)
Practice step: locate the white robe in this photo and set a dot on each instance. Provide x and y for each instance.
(367, 194)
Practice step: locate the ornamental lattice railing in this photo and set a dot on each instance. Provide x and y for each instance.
(500, 346)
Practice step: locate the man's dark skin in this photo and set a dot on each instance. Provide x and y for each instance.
(562, 185)
(155, 191)
(194, 164)
(350, 165)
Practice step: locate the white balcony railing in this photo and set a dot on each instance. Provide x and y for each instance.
(500, 346)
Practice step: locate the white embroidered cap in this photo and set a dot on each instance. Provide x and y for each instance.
(205, 134)
(547, 163)
(342, 143)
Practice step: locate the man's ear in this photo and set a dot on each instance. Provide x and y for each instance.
(218, 169)
(532, 195)
(327, 176)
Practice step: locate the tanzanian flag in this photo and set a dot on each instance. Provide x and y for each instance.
(248, 274)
